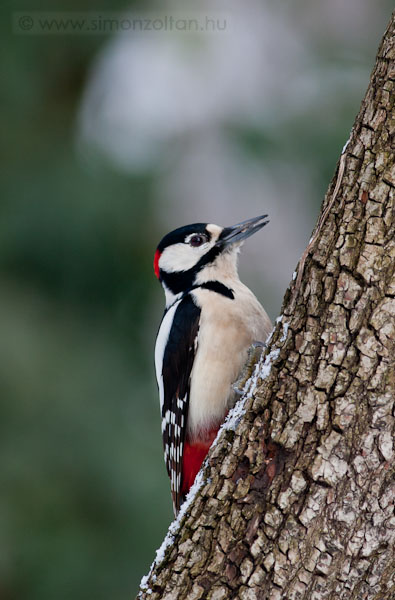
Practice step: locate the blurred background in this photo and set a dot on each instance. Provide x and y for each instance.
(109, 140)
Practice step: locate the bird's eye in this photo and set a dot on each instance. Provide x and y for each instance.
(197, 240)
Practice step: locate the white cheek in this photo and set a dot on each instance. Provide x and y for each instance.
(181, 257)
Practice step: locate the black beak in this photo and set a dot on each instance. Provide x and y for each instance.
(241, 231)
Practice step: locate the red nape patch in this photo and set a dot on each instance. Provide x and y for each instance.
(156, 262)
(194, 455)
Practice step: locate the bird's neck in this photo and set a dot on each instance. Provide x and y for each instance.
(223, 270)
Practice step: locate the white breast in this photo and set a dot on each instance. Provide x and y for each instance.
(227, 329)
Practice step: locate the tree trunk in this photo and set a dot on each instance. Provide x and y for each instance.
(296, 500)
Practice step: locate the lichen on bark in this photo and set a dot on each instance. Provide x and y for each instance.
(298, 501)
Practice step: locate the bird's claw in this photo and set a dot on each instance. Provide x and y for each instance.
(253, 355)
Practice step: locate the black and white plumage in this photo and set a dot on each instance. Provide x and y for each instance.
(210, 321)
(174, 378)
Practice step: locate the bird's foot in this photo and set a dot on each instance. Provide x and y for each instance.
(253, 355)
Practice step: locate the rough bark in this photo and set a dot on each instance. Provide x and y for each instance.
(297, 501)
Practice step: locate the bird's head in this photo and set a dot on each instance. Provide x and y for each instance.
(201, 252)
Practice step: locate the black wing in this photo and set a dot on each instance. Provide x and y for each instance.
(176, 371)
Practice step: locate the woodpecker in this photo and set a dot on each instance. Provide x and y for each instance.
(210, 321)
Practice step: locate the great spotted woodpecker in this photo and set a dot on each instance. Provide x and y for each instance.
(210, 321)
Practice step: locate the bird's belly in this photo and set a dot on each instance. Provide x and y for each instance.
(209, 399)
(225, 335)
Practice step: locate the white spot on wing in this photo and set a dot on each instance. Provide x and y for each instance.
(160, 346)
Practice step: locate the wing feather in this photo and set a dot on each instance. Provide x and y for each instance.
(177, 363)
